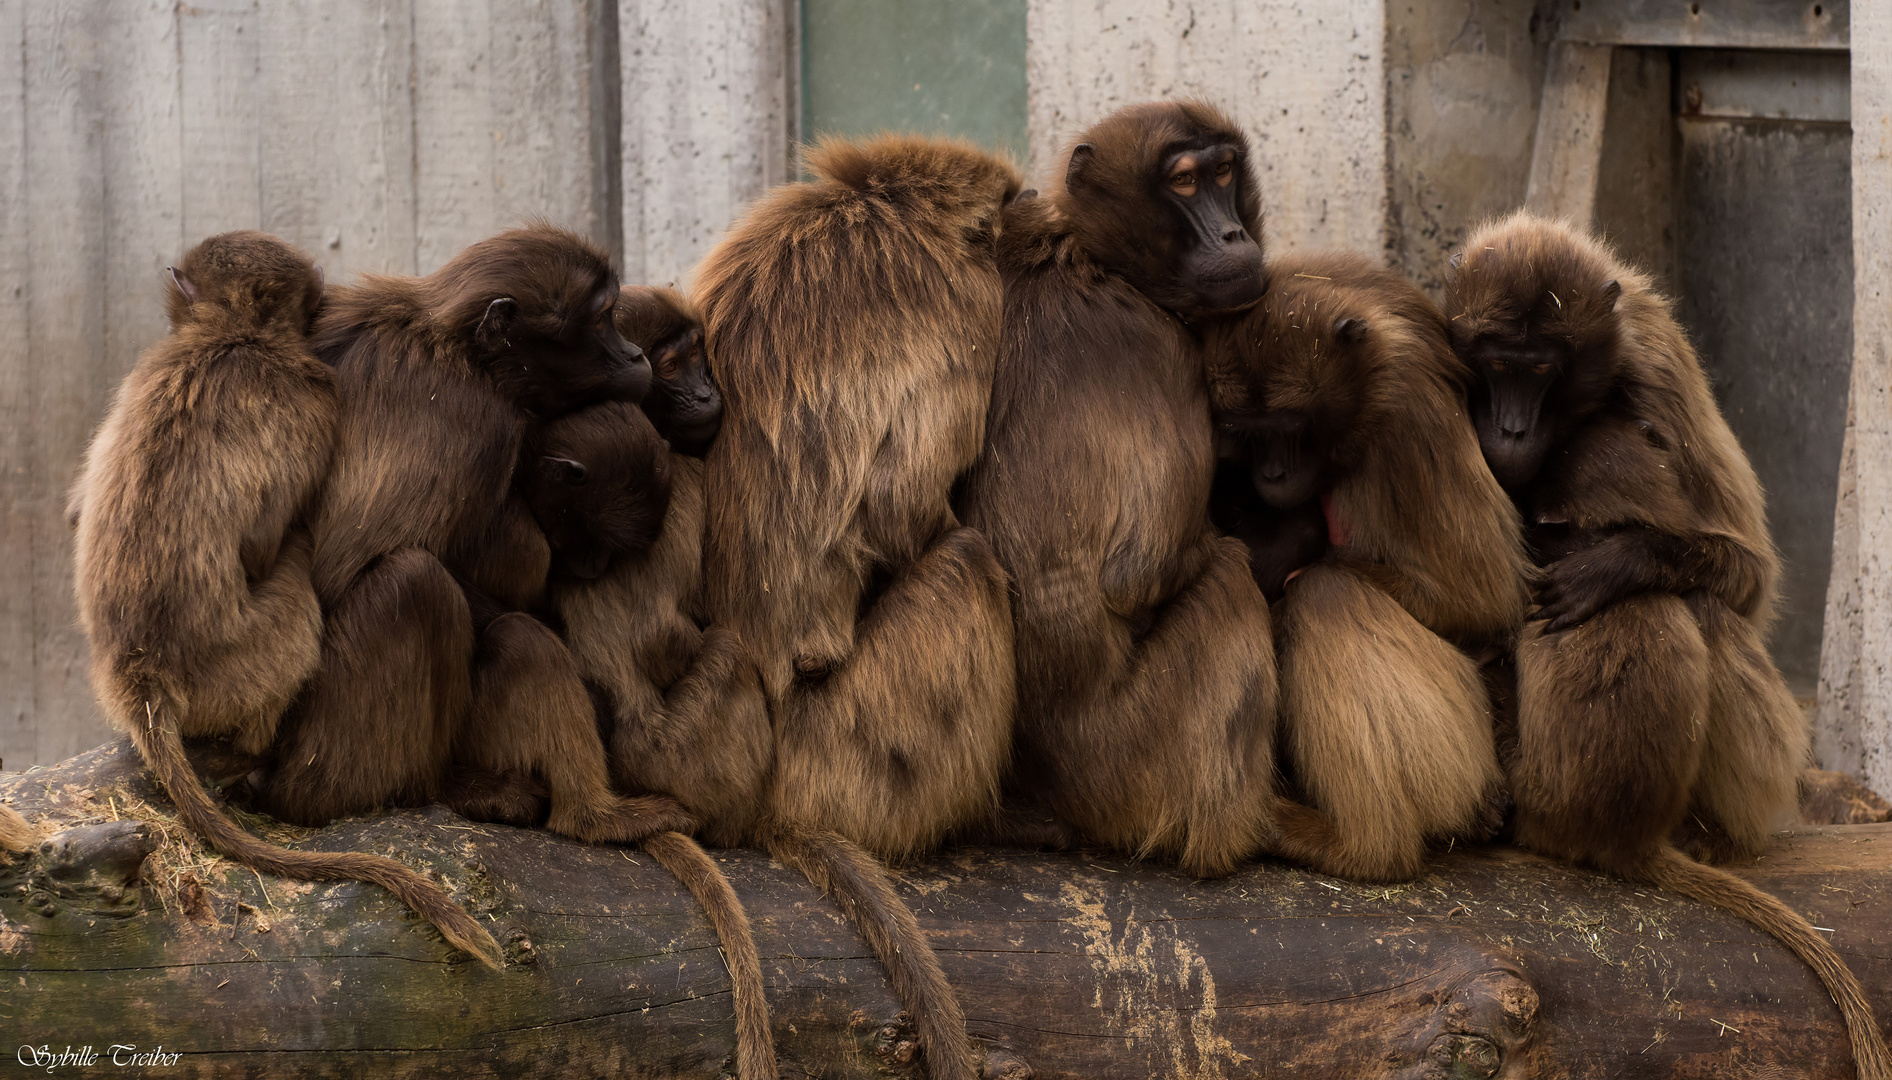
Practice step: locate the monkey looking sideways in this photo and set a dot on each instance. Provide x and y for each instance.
(191, 563)
(1338, 398)
(852, 324)
(1145, 664)
(1648, 710)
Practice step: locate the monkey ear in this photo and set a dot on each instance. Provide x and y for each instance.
(1081, 156)
(321, 279)
(1349, 330)
(563, 470)
(493, 324)
(1457, 260)
(183, 284)
(1611, 290)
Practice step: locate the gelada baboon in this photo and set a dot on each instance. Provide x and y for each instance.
(1339, 396)
(598, 482)
(191, 563)
(852, 326)
(438, 379)
(1645, 696)
(683, 402)
(623, 617)
(1146, 675)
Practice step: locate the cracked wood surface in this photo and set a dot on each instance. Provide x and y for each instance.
(122, 930)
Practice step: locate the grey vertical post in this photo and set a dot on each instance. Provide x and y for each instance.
(1569, 146)
(1853, 725)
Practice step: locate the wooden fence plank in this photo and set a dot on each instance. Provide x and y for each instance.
(1569, 149)
(18, 716)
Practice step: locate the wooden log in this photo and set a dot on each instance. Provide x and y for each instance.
(120, 931)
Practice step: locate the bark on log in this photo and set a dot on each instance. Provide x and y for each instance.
(1493, 964)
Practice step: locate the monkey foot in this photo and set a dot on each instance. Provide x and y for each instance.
(622, 821)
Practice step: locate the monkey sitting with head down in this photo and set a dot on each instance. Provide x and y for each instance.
(1648, 712)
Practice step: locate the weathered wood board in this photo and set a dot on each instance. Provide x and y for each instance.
(1494, 964)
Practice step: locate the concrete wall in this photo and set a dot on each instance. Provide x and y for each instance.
(1853, 725)
(377, 134)
(1303, 76)
(1462, 83)
(709, 122)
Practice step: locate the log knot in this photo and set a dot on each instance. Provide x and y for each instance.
(94, 869)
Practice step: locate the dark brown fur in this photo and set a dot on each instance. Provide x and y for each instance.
(684, 403)
(1146, 677)
(1661, 706)
(852, 326)
(1387, 723)
(439, 378)
(191, 563)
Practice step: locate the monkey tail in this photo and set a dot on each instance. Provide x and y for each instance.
(682, 856)
(858, 882)
(16, 833)
(162, 748)
(1672, 870)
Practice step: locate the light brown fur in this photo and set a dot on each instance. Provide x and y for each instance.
(1388, 724)
(191, 564)
(1644, 485)
(851, 324)
(16, 833)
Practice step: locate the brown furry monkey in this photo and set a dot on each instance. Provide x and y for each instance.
(590, 486)
(1645, 696)
(852, 326)
(191, 566)
(1146, 671)
(1338, 396)
(438, 379)
(683, 402)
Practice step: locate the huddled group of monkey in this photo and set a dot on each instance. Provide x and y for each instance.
(943, 511)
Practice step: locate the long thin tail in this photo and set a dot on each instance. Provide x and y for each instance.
(1717, 888)
(755, 1045)
(161, 746)
(859, 883)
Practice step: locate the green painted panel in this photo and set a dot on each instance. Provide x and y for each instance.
(948, 67)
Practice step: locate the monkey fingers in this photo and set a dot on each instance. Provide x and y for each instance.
(1574, 588)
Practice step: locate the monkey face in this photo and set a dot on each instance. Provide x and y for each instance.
(1280, 448)
(684, 403)
(1163, 195)
(1220, 262)
(1509, 389)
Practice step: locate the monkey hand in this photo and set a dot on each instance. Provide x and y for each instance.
(1577, 586)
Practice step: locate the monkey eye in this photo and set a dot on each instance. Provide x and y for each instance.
(1184, 182)
(1540, 369)
(1224, 173)
(1498, 366)
(667, 367)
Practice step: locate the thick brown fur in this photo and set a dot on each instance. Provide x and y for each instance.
(852, 326)
(1146, 674)
(439, 379)
(1387, 722)
(191, 564)
(1658, 704)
